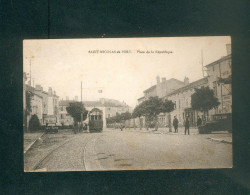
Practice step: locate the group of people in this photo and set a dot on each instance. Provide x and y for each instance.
(79, 127)
(186, 124)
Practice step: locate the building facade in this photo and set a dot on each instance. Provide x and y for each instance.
(219, 79)
(36, 103)
(109, 107)
(42, 103)
(64, 118)
(162, 88)
(182, 99)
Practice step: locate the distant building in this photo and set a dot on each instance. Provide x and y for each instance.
(50, 102)
(64, 117)
(109, 108)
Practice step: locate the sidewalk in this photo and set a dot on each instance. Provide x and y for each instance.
(223, 137)
(29, 139)
(181, 131)
(216, 136)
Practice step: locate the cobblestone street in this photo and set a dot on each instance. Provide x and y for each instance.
(129, 150)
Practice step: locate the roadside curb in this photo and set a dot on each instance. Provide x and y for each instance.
(25, 150)
(220, 140)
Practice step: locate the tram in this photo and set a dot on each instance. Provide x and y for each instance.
(95, 120)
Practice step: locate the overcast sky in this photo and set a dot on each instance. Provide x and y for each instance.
(63, 63)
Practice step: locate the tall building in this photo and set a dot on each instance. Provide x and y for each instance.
(50, 102)
(219, 79)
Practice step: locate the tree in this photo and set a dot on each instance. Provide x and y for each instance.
(167, 107)
(34, 123)
(28, 96)
(150, 109)
(204, 100)
(138, 112)
(75, 109)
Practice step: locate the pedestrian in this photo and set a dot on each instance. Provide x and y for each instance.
(75, 127)
(175, 124)
(186, 125)
(199, 121)
(121, 127)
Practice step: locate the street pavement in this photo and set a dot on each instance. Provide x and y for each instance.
(129, 149)
(29, 139)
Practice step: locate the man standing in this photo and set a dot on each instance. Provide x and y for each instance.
(199, 121)
(175, 124)
(186, 125)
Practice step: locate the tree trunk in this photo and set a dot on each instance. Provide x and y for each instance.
(140, 122)
(169, 122)
(156, 123)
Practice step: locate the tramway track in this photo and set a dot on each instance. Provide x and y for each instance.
(37, 166)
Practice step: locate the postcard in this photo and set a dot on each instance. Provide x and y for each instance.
(127, 104)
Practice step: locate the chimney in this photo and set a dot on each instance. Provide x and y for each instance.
(229, 51)
(102, 100)
(158, 79)
(186, 80)
(50, 91)
(39, 88)
(163, 79)
(67, 98)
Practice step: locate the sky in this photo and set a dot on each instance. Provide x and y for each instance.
(64, 63)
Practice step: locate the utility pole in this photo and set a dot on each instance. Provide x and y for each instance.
(30, 82)
(81, 103)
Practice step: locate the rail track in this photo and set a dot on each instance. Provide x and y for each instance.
(39, 166)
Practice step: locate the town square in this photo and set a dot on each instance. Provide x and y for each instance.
(127, 104)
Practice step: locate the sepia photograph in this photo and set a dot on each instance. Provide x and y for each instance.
(108, 104)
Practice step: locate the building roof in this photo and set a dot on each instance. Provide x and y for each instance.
(154, 86)
(189, 86)
(65, 102)
(220, 60)
(173, 79)
(150, 88)
(32, 90)
(141, 98)
(93, 103)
